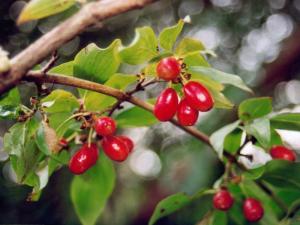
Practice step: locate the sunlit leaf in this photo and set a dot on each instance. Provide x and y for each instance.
(168, 36)
(254, 108)
(188, 45)
(261, 130)
(286, 121)
(37, 9)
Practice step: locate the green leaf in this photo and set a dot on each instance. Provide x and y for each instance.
(261, 130)
(224, 78)
(188, 45)
(11, 98)
(220, 100)
(217, 139)
(97, 64)
(9, 112)
(173, 203)
(254, 108)
(219, 218)
(207, 82)
(168, 36)
(64, 69)
(95, 101)
(233, 141)
(286, 121)
(90, 191)
(135, 117)
(142, 49)
(37, 9)
(60, 101)
(24, 155)
(195, 59)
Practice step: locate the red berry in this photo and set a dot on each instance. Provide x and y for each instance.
(186, 115)
(253, 210)
(166, 105)
(128, 142)
(281, 152)
(115, 148)
(198, 96)
(83, 159)
(105, 126)
(63, 143)
(223, 200)
(168, 69)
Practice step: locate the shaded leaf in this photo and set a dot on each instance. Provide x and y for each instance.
(168, 36)
(233, 141)
(91, 190)
(142, 49)
(261, 130)
(97, 64)
(37, 9)
(46, 139)
(254, 108)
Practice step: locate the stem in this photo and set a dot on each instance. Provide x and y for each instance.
(34, 76)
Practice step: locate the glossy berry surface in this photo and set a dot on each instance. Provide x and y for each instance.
(223, 200)
(128, 142)
(186, 115)
(115, 148)
(198, 96)
(166, 105)
(84, 158)
(281, 152)
(105, 126)
(168, 69)
(253, 210)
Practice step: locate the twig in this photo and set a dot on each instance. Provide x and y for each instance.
(88, 15)
(51, 62)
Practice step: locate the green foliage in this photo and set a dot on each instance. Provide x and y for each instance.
(188, 45)
(217, 139)
(135, 117)
(261, 130)
(142, 49)
(254, 108)
(224, 78)
(37, 9)
(168, 36)
(90, 191)
(96, 64)
(65, 69)
(10, 104)
(286, 121)
(233, 141)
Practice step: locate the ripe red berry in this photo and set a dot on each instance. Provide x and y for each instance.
(128, 142)
(83, 159)
(223, 200)
(168, 69)
(115, 148)
(186, 115)
(166, 105)
(253, 210)
(281, 152)
(63, 142)
(105, 126)
(198, 96)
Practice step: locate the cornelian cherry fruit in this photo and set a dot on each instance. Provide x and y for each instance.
(223, 200)
(253, 210)
(198, 96)
(186, 115)
(115, 148)
(128, 142)
(166, 105)
(84, 158)
(168, 68)
(105, 126)
(281, 152)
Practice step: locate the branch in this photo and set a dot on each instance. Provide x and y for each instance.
(89, 15)
(35, 76)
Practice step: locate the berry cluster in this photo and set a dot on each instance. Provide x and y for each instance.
(252, 208)
(117, 148)
(196, 96)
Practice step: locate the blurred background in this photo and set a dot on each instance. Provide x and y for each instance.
(258, 40)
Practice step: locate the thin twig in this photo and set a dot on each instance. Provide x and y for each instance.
(51, 62)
